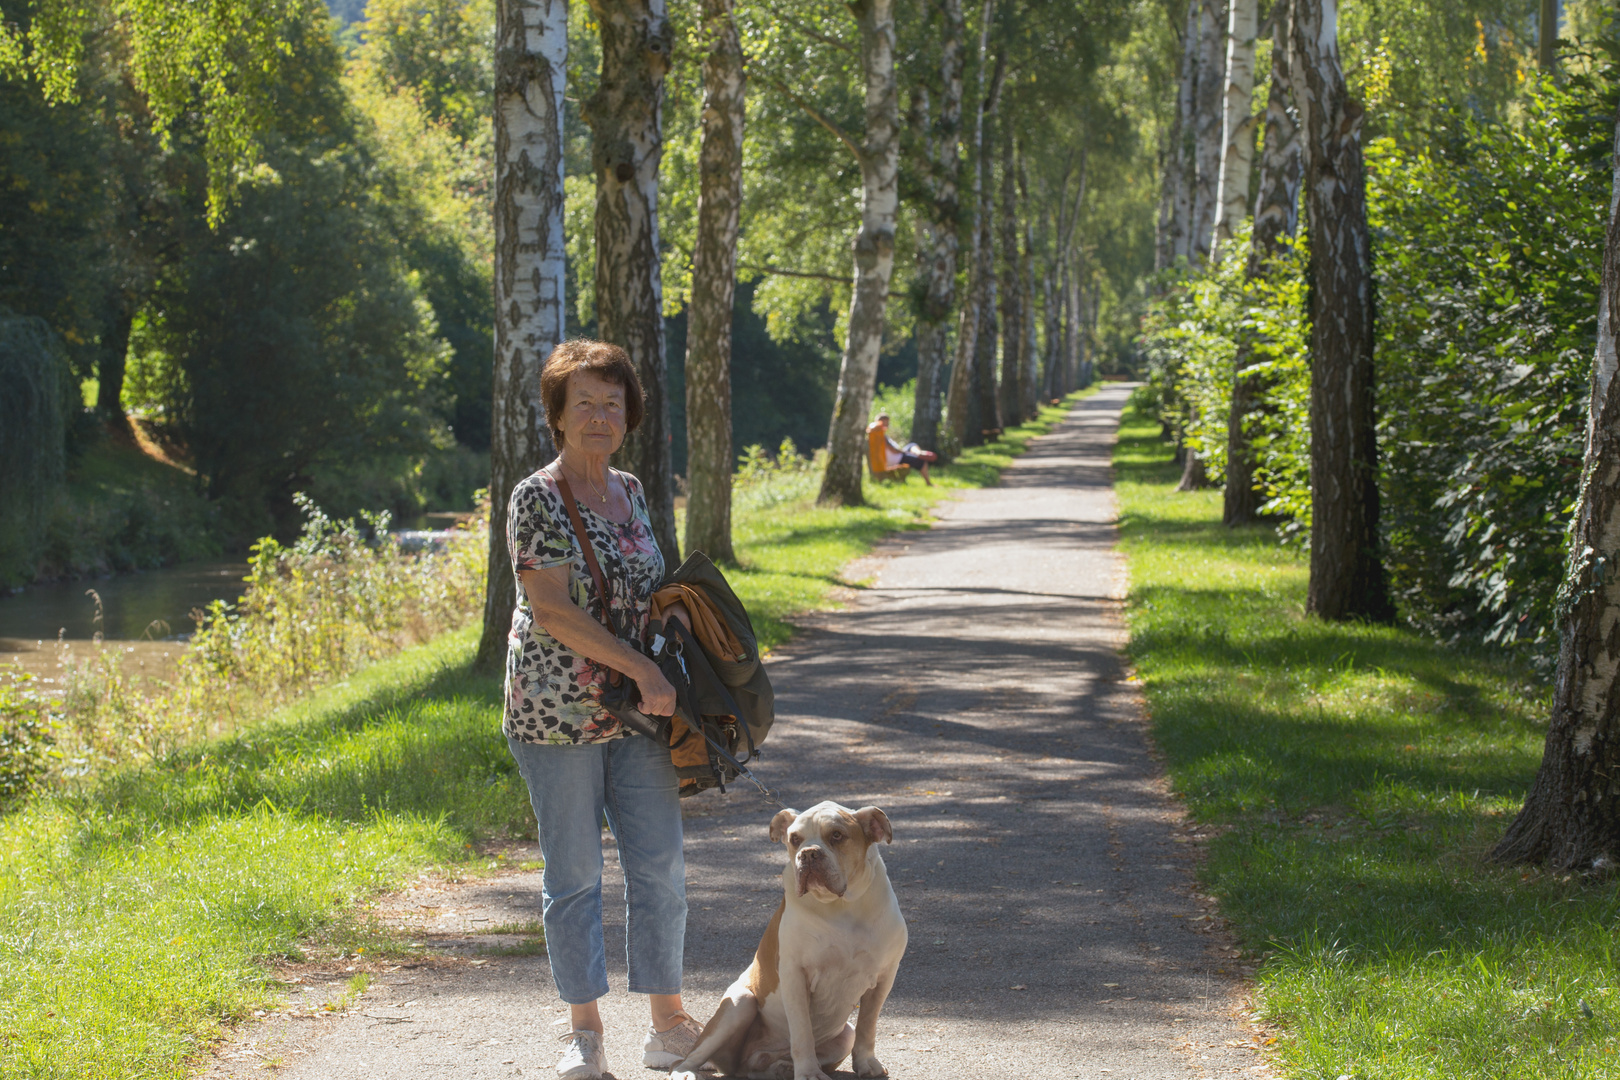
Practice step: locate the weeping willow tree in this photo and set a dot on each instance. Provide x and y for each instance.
(33, 385)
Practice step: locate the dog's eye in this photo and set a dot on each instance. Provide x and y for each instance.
(836, 837)
(795, 840)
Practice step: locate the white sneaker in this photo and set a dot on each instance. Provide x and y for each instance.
(667, 1049)
(583, 1059)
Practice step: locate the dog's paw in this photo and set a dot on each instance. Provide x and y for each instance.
(868, 1066)
(816, 1075)
(682, 1074)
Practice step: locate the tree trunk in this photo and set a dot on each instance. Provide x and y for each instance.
(1012, 289)
(1183, 142)
(531, 55)
(1276, 218)
(1208, 112)
(936, 255)
(1237, 121)
(874, 257)
(1052, 354)
(1029, 374)
(111, 365)
(627, 144)
(1194, 477)
(959, 400)
(714, 282)
(1347, 574)
(1547, 37)
(985, 413)
(1571, 816)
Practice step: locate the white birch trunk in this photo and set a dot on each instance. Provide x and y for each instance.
(1207, 114)
(627, 145)
(959, 395)
(531, 55)
(874, 257)
(1183, 142)
(714, 281)
(937, 254)
(1237, 124)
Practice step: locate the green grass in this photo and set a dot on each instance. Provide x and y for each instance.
(137, 912)
(1354, 779)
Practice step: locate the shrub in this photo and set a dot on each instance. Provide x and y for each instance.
(342, 596)
(27, 735)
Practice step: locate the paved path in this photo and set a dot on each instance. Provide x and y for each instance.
(975, 692)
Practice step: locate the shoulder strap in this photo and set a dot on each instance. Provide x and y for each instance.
(585, 545)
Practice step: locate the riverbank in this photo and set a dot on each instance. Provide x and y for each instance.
(1354, 779)
(137, 913)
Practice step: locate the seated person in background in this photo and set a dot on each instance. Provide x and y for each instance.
(909, 454)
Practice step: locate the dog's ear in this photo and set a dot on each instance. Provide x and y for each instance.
(780, 824)
(875, 823)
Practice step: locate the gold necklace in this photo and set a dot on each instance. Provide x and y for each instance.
(600, 493)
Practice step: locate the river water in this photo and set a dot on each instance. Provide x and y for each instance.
(147, 615)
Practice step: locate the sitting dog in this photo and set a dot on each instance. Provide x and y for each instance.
(835, 941)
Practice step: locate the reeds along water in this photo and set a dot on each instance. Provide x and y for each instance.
(344, 594)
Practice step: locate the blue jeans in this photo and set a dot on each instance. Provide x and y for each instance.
(634, 783)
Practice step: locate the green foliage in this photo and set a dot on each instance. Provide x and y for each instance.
(900, 403)
(35, 392)
(1193, 335)
(343, 596)
(27, 735)
(1490, 245)
(1350, 780)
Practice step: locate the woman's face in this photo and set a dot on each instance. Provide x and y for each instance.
(593, 421)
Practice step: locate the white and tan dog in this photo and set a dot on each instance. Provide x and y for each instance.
(835, 942)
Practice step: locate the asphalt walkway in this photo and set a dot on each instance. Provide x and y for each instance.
(975, 692)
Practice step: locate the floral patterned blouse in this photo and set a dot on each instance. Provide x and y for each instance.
(552, 691)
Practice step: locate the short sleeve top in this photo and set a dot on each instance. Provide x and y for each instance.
(552, 692)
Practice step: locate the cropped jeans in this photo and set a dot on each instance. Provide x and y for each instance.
(633, 782)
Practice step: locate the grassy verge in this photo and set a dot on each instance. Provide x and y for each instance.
(1355, 778)
(136, 912)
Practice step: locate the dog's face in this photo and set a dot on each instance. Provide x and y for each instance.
(829, 847)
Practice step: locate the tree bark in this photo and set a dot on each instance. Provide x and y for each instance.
(714, 282)
(1012, 291)
(1052, 354)
(531, 55)
(1347, 578)
(111, 366)
(959, 399)
(1276, 218)
(937, 254)
(984, 414)
(1029, 375)
(1208, 111)
(1237, 121)
(1547, 37)
(1571, 816)
(627, 144)
(874, 257)
(1183, 142)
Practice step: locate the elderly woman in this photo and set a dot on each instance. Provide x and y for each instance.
(578, 761)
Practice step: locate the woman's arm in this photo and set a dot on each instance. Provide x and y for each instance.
(572, 625)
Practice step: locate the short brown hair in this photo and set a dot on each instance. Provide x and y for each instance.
(601, 359)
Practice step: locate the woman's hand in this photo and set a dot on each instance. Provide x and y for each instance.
(657, 695)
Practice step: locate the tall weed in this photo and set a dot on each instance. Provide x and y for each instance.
(343, 595)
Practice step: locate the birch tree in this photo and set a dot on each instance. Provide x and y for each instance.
(1029, 374)
(1180, 162)
(1347, 579)
(714, 280)
(1276, 218)
(937, 253)
(1010, 395)
(531, 55)
(879, 157)
(959, 398)
(1237, 122)
(1571, 816)
(1208, 87)
(627, 143)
